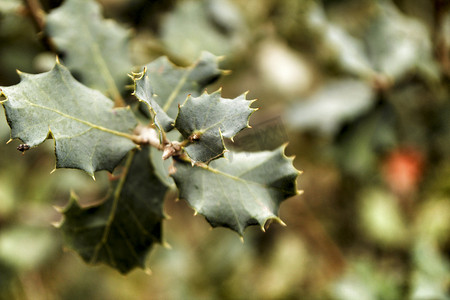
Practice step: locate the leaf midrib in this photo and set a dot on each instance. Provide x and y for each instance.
(101, 63)
(114, 205)
(177, 89)
(246, 182)
(98, 127)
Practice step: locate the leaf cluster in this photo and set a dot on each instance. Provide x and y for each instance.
(93, 129)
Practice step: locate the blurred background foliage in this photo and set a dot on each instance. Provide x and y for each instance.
(359, 88)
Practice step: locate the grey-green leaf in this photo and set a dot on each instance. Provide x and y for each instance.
(205, 120)
(194, 26)
(245, 189)
(95, 48)
(121, 230)
(163, 86)
(89, 133)
(399, 44)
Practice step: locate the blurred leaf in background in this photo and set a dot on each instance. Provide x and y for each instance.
(359, 88)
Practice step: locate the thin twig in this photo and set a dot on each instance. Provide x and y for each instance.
(38, 16)
(441, 8)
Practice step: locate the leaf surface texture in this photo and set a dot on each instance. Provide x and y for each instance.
(163, 86)
(205, 120)
(95, 48)
(245, 189)
(89, 133)
(121, 230)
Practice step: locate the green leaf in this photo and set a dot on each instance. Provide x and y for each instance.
(245, 189)
(162, 166)
(195, 26)
(89, 134)
(121, 230)
(95, 48)
(346, 50)
(205, 120)
(399, 44)
(334, 103)
(9, 6)
(163, 86)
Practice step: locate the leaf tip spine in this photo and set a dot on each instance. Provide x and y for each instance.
(283, 148)
(166, 245)
(166, 216)
(56, 224)
(59, 209)
(241, 238)
(220, 57)
(9, 141)
(53, 171)
(138, 76)
(148, 271)
(280, 222)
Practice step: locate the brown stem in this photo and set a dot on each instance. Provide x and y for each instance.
(38, 15)
(147, 136)
(441, 8)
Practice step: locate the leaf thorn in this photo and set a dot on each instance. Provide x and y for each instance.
(59, 209)
(166, 245)
(56, 224)
(280, 222)
(148, 271)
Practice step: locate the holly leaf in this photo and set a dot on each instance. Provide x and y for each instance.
(95, 48)
(244, 190)
(89, 133)
(215, 26)
(121, 230)
(163, 86)
(399, 44)
(334, 103)
(205, 120)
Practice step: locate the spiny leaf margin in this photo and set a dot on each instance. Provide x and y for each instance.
(205, 120)
(89, 133)
(122, 229)
(253, 186)
(94, 47)
(162, 85)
